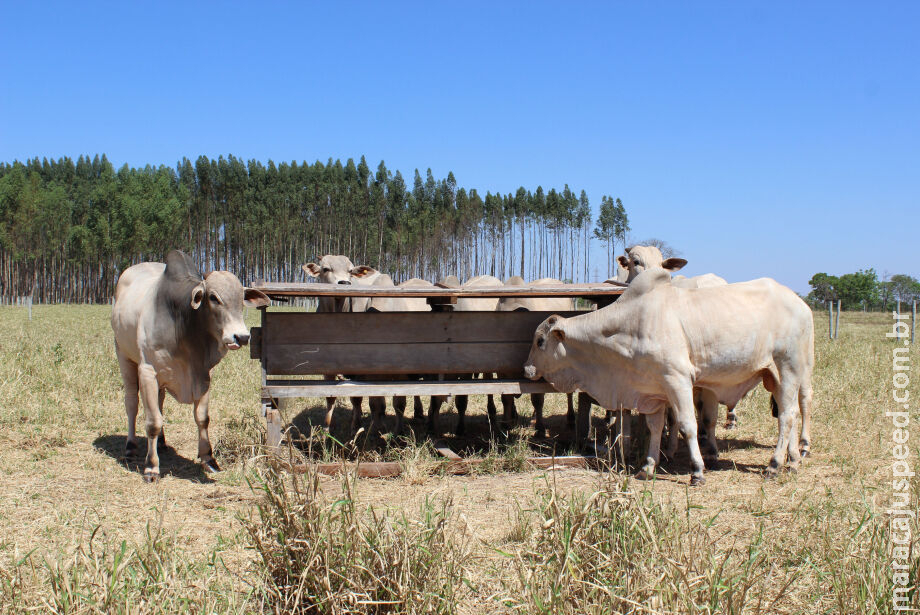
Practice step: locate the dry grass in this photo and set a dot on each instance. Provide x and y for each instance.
(80, 532)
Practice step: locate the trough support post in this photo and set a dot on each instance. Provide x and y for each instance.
(837, 320)
(272, 424)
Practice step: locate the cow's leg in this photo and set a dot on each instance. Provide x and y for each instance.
(399, 408)
(731, 418)
(433, 408)
(785, 399)
(681, 398)
(673, 433)
(709, 405)
(462, 401)
(161, 442)
(378, 406)
(805, 408)
(583, 420)
(129, 377)
(537, 400)
(418, 409)
(205, 452)
(330, 403)
(356, 414)
(569, 410)
(149, 390)
(508, 409)
(786, 405)
(655, 424)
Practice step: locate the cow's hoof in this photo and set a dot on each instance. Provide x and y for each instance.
(151, 476)
(697, 480)
(731, 425)
(210, 466)
(644, 475)
(540, 433)
(711, 463)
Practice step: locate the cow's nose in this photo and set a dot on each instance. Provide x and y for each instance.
(347, 282)
(530, 371)
(242, 340)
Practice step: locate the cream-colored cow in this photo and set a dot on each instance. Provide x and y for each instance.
(659, 343)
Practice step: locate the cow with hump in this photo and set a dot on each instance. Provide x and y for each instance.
(171, 328)
(659, 344)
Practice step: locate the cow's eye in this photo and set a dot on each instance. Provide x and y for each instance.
(541, 342)
(326, 269)
(214, 299)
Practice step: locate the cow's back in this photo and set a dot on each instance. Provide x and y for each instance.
(135, 302)
(760, 320)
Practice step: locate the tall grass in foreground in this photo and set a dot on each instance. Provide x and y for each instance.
(324, 554)
(617, 551)
(103, 576)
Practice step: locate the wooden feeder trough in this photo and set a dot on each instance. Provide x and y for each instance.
(370, 347)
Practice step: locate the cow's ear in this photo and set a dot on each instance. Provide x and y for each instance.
(197, 296)
(558, 332)
(312, 269)
(624, 262)
(255, 298)
(674, 264)
(362, 271)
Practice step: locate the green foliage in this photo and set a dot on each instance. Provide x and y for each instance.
(858, 289)
(863, 290)
(68, 228)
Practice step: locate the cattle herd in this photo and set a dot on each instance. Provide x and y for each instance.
(669, 347)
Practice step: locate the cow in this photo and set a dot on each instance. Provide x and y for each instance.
(534, 304)
(338, 269)
(465, 304)
(639, 258)
(658, 343)
(171, 328)
(396, 304)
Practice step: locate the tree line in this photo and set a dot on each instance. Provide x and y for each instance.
(68, 228)
(864, 290)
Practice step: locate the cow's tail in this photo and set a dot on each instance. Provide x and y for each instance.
(774, 409)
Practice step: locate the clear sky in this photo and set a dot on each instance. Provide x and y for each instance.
(759, 138)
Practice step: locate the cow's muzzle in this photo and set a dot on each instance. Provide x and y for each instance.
(531, 372)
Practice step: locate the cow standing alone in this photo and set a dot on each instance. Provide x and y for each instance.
(171, 328)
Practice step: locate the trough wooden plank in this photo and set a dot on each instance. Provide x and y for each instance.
(289, 328)
(314, 289)
(389, 469)
(371, 359)
(347, 388)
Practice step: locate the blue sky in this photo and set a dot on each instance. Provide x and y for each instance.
(760, 139)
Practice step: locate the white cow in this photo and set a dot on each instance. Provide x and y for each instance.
(171, 328)
(659, 343)
(338, 269)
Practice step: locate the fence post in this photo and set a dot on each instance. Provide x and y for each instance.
(837, 320)
(830, 320)
(913, 320)
(30, 307)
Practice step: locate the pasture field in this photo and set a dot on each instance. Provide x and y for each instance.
(80, 532)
